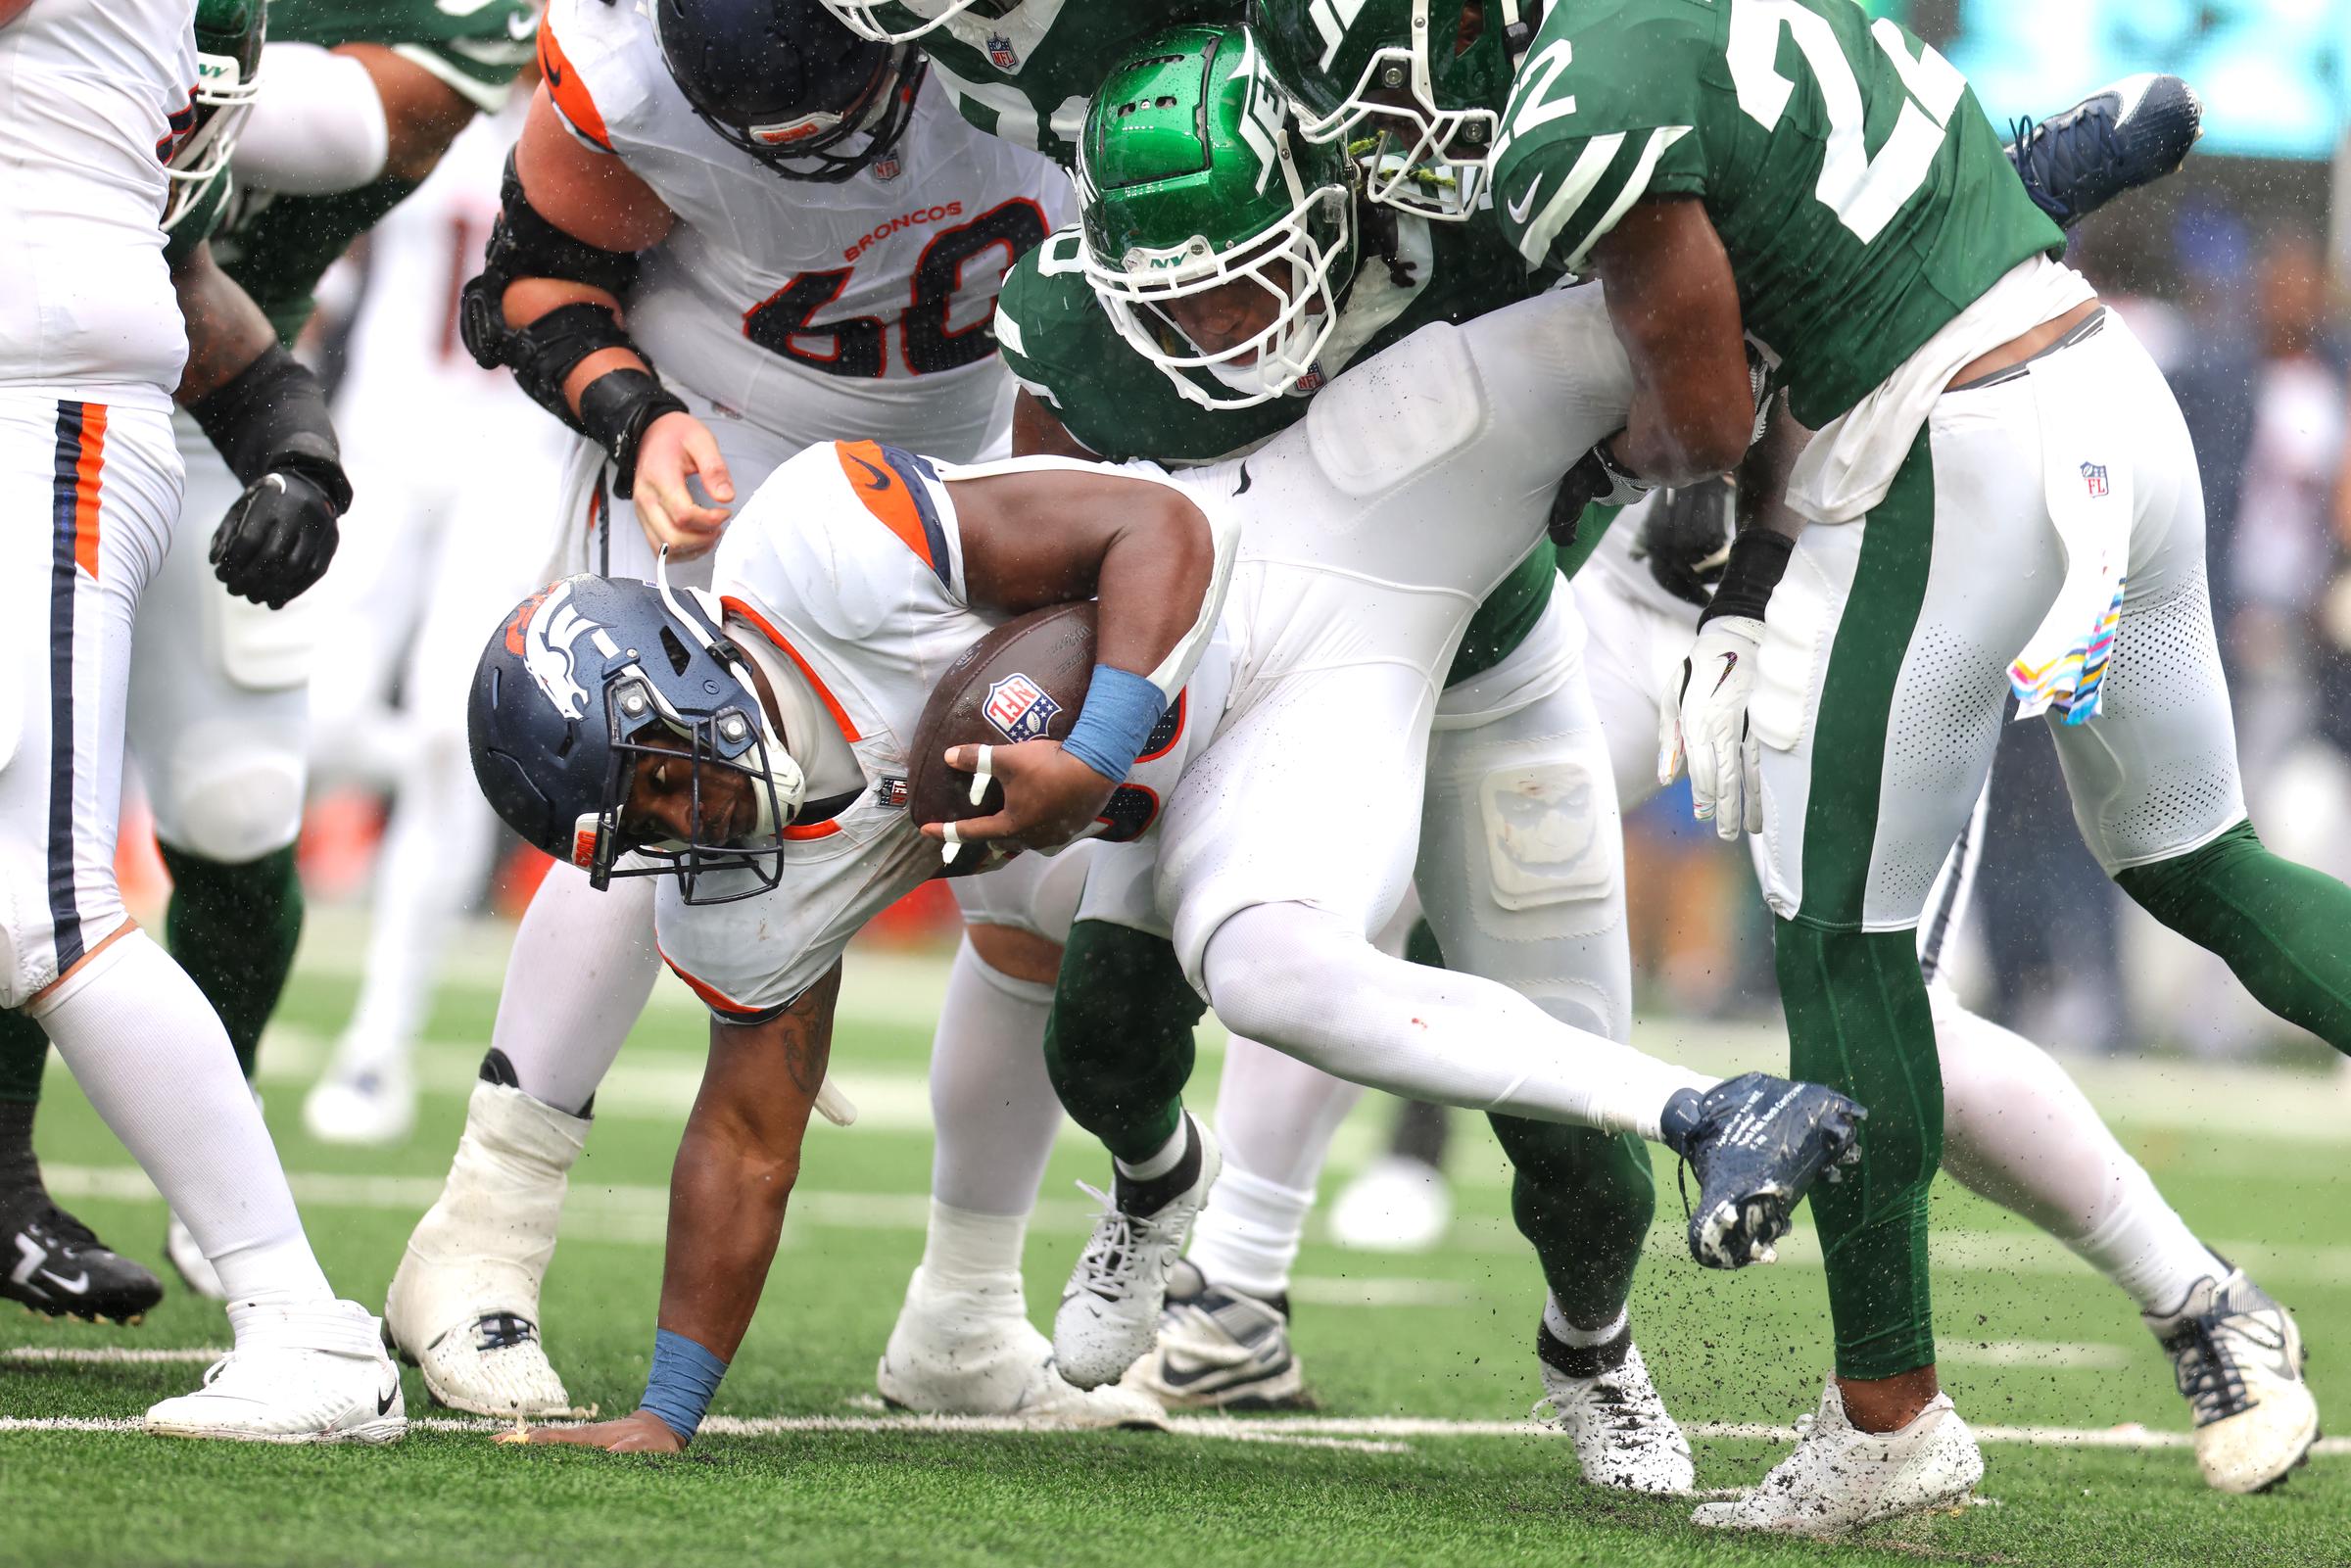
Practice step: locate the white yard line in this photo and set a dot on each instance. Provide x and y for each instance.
(1370, 1434)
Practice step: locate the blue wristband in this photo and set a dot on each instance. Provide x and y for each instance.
(684, 1381)
(1121, 708)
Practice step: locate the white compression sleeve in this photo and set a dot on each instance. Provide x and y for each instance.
(150, 1053)
(584, 963)
(2019, 1132)
(318, 126)
(992, 1104)
(1303, 980)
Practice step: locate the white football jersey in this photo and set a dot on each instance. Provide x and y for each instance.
(849, 560)
(871, 295)
(94, 94)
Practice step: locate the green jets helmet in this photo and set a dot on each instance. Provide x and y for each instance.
(1192, 177)
(1414, 88)
(905, 20)
(228, 77)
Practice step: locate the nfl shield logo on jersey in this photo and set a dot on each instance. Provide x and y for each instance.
(886, 168)
(1018, 707)
(2094, 476)
(1002, 54)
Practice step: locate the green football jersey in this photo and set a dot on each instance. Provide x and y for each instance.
(1061, 346)
(275, 247)
(1028, 75)
(1862, 196)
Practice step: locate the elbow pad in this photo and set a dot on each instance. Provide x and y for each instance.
(524, 244)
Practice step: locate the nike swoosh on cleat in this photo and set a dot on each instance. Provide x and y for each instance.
(383, 1401)
(77, 1285)
(1525, 203)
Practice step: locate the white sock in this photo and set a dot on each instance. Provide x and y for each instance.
(584, 963)
(1304, 982)
(150, 1053)
(992, 1104)
(1247, 1237)
(1568, 1333)
(1163, 1160)
(2017, 1131)
(977, 1255)
(436, 847)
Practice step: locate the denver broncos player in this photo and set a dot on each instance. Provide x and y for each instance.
(804, 242)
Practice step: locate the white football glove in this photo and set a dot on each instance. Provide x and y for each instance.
(1705, 721)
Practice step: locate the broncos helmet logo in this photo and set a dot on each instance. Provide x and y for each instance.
(547, 648)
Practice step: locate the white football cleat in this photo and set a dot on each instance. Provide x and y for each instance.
(1601, 1397)
(1219, 1349)
(1109, 1316)
(465, 1303)
(1395, 1205)
(973, 1352)
(187, 1261)
(308, 1374)
(1840, 1477)
(2237, 1358)
(365, 1104)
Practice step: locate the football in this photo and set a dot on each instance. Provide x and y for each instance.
(1022, 681)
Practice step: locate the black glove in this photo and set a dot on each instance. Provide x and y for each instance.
(277, 539)
(1686, 537)
(1596, 477)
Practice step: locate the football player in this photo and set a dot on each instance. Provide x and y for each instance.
(360, 101)
(2001, 496)
(807, 242)
(1191, 316)
(1345, 601)
(1224, 1338)
(91, 345)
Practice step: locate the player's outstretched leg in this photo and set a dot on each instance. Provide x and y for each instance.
(56, 1265)
(2018, 1131)
(963, 1344)
(463, 1307)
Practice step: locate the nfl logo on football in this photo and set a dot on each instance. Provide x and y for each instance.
(886, 169)
(2094, 476)
(1002, 54)
(1018, 707)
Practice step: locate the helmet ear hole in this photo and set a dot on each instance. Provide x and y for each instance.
(674, 648)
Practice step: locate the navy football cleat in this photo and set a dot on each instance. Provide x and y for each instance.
(2119, 138)
(1758, 1144)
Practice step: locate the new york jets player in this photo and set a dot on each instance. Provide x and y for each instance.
(361, 99)
(2001, 496)
(807, 241)
(1133, 339)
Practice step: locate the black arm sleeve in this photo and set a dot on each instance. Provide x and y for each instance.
(272, 417)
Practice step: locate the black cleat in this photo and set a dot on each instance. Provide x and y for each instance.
(1758, 1144)
(2119, 138)
(50, 1262)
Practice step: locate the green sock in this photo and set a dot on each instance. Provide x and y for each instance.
(1858, 1022)
(2281, 928)
(23, 1053)
(235, 930)
(1119, 1040)
(1584, 1199)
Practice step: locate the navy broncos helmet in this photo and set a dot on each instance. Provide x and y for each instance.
(784, 81)
(573, 684)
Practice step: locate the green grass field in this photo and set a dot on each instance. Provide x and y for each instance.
(1422, 1365)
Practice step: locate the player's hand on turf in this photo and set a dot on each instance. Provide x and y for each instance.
(1050, 797)
(277, 539)
(641, 1432)
(1705, 721)
(678, 448)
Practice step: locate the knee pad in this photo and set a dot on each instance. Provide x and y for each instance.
(237, 813)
